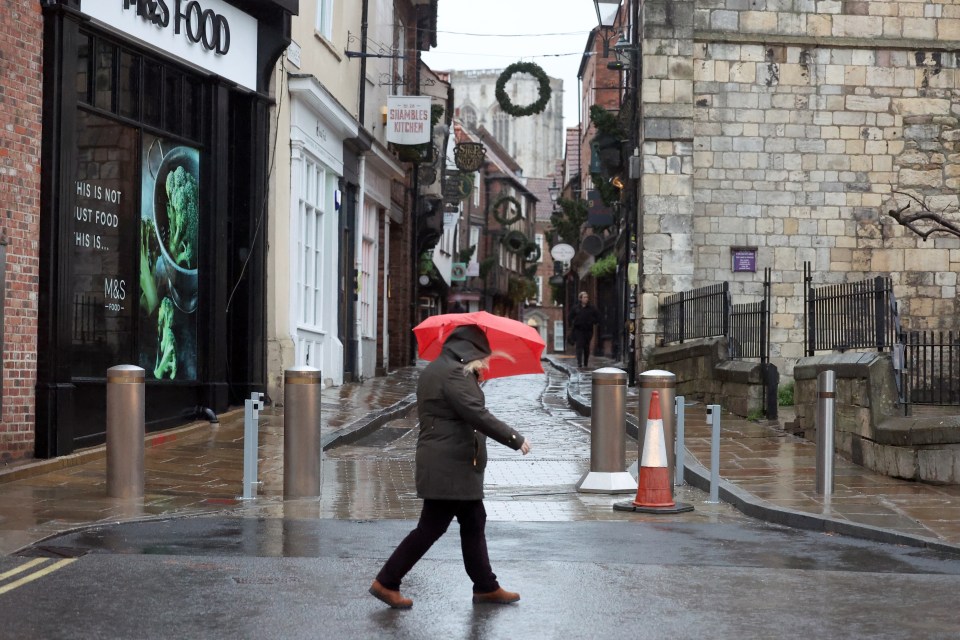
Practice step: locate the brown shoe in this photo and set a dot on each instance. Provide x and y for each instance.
(389, 596)
(500, 596)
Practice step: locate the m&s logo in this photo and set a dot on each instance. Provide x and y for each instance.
(201, 26)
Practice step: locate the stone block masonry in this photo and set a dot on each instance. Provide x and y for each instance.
(808, 116)
(21, 47)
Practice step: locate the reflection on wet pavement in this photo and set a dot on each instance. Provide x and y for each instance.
(374, 479)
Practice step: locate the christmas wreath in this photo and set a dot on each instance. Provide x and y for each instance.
(504, 100)
(515, 242)
(499, 209)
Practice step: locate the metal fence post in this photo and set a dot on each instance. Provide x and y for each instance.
(680, 413)
(608, 435)
(826, 404)
(713, 413)
(251, 442)
(302, 450)
(125, 431)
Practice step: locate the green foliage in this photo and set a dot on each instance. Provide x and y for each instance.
(166, 362)
(183, 217)
(486, 264)
(556, 293)
(609, 194)
(520, 289)
(501, 206)
(755, 415)
(420, 152)
(504, 100)
(149, 296)
(785, 395)
(606, 122)
(605, 266)
(465, 254)
(568, 221)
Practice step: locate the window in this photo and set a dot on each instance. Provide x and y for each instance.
(539, 299)
(538, 239)
(369, 259)
(501, 127)
(476, 189)
(468, 116)
(310, 267)
(325, 18)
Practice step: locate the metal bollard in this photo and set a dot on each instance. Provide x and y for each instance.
(302, 449)
(665, 384)
(608, 435)
(680, 416)
(713, 414)
(251, 442)
(125, 431)
(826, 406)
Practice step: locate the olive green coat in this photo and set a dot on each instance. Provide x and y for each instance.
(454, 425)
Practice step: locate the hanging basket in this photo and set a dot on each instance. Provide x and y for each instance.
(469, 156)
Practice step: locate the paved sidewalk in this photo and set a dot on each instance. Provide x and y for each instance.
(198, 469)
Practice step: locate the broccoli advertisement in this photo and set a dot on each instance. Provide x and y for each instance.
(169, 237)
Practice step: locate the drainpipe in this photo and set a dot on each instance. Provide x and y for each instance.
(358, 264)
(362, 98)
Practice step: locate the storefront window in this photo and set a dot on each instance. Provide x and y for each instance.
(103, 243)
(152, 92)
(129, 85)
(103, 75)
(83, 69)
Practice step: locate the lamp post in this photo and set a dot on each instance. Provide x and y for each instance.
(554, 190)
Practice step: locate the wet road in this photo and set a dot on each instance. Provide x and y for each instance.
(300, 569)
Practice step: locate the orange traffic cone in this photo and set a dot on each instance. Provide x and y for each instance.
(654, 486)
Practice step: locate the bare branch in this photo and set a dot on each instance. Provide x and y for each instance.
(925, 216)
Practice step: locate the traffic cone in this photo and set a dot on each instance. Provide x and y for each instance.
(654, 486)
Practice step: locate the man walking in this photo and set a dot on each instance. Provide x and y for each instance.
(582, 320)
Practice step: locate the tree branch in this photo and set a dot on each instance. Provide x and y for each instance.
(925, 216)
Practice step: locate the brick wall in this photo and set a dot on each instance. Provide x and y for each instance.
(807, 117)
(21, 46)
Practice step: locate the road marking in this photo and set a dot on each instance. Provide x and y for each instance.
(59, 564)
(22, 568)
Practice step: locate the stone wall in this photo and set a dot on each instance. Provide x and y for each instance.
(788, 126)
(705, 373)
(869, 426)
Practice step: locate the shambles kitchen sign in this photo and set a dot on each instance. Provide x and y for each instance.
(408, 119)
(210, 34)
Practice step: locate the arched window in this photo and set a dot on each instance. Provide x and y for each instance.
(468, 115)
(501, 127)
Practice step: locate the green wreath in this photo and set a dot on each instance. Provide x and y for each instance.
(504, 100)
(498, 204)
(515, 241)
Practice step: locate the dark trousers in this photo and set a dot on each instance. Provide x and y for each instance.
(434, 520)
(583, 347)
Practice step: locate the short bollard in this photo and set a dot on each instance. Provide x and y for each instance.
(251, 442)
(680, 417)
(713, 415)
(125, 431)
(608, 435)
(664, 383)
(301, 433)
(826, 405)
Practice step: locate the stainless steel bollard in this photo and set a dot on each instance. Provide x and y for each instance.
(680, 417)
(608, 435)
(665, 383)
(125, 431)
(713, 414)
(826, 409)
(251, 442)
(301, 433)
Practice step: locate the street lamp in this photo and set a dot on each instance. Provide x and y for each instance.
(554, 193)
(607, 11)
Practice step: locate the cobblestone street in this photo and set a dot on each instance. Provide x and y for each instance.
(373, 478)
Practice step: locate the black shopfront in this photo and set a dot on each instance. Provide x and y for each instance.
(156, 153)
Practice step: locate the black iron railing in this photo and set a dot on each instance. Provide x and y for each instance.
(699, 313)
(854, 315)
(931, 368)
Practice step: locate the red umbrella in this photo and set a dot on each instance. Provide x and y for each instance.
(522, 343)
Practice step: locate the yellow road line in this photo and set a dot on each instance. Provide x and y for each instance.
(37, 574)
(22, 568)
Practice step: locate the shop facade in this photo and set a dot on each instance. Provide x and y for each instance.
(156, 156)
